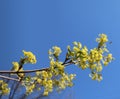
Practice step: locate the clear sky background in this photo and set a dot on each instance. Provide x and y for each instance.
(37, 25)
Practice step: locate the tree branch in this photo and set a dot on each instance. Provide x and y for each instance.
(9, 78)
(25, 71)
(35, 70)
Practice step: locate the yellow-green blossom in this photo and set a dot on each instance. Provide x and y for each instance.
(72, 76)
(103, 38)
(100, 77)
(109, 57)
(77, 44)
(76, 49)
(92, 66)
(15, 66)
(29, 89)
(39, 80)
(105, 63)
(45, 93)
(99, 68)
(95, 55)
(56, 51)
(56, 67)
(30, 57)
(44, 74)
(4, 88)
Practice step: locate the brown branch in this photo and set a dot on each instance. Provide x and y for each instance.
(25, 71)
(35, 70)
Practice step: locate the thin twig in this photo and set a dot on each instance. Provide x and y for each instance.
(9, 78)
(15, 89)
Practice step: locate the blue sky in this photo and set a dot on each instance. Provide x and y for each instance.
(37, 25)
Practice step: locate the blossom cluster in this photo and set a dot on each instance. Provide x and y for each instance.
(29, 57)
(94, 59)
(55, 75)
(4, 88)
